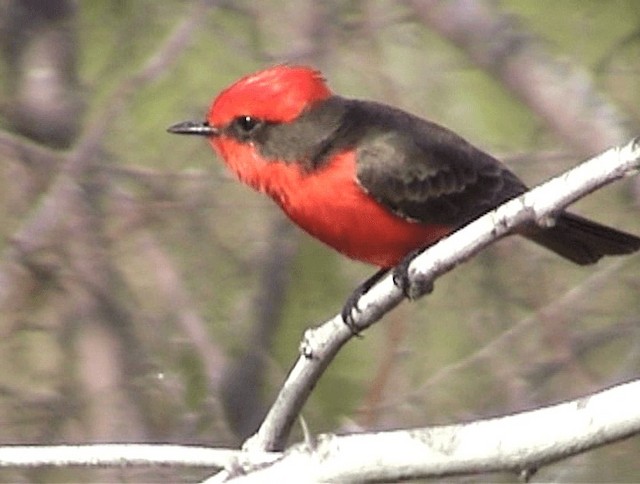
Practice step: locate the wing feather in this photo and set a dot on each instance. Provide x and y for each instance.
(424, 172)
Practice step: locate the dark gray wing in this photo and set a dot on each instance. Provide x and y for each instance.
(424, 172)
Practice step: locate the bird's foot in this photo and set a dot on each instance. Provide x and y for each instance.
(351, 305)
(411, 289)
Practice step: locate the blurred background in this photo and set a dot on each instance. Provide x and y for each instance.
(146, 296)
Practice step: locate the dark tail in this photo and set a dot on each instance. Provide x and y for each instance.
(582, 241)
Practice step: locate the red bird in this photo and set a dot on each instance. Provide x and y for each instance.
(372, 181)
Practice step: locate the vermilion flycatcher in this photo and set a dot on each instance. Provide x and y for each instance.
(372, 181)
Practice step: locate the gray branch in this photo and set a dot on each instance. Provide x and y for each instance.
(520, 443)
(321, 344)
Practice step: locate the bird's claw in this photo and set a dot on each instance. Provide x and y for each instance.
(351, 305)
(410, 288)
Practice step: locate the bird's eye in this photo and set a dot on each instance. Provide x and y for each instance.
(246, 124)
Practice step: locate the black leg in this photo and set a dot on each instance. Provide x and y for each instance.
(352, 302)
(401, 277)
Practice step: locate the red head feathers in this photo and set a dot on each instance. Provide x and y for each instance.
(278, 94)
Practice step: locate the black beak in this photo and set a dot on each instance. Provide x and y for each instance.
(192, 127)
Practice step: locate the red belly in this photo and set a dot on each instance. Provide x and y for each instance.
(331, 206)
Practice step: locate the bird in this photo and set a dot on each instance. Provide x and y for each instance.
(374, 182)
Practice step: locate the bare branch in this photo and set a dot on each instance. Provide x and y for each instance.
(321, 344)
(522, 443)
(519, 443)
(128, 455)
